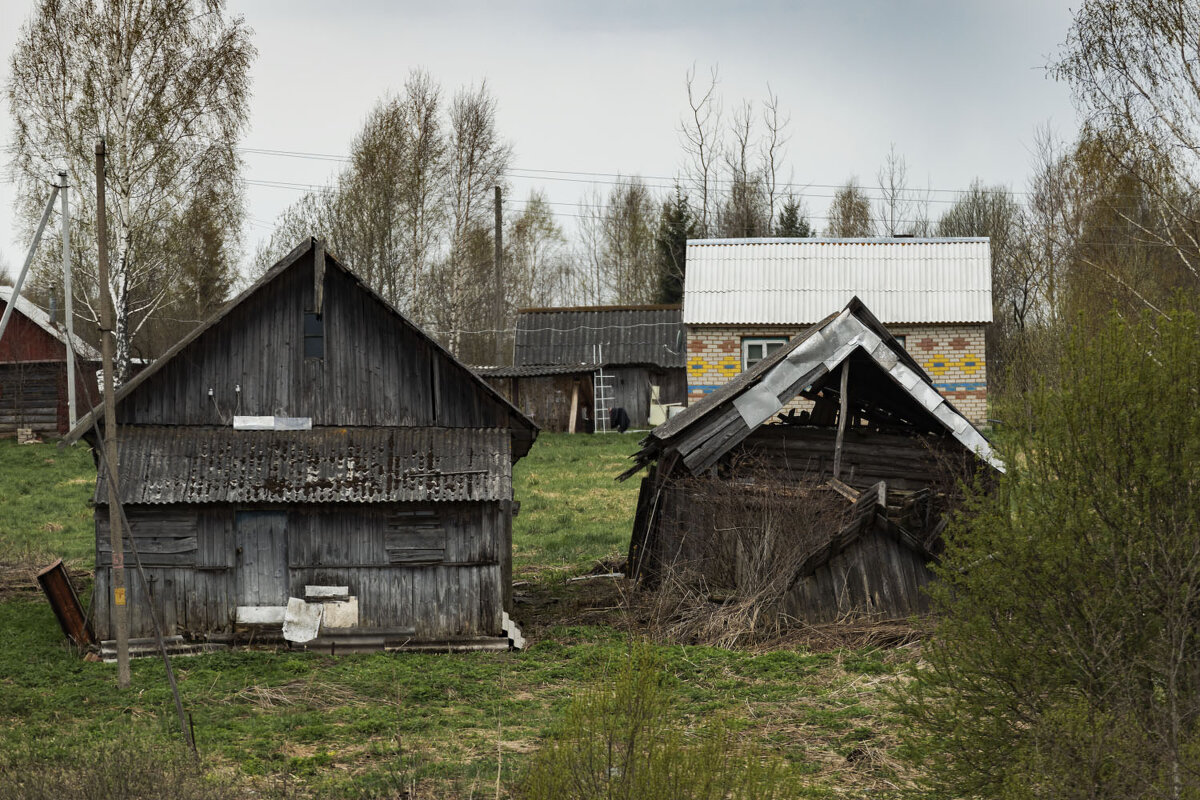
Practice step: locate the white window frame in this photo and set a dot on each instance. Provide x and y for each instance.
(766, 342)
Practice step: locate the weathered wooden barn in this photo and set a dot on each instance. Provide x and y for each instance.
(33, 370)
(573, 365)
(308, 456)
(844, 503)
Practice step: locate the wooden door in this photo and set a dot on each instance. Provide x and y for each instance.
(261, 542)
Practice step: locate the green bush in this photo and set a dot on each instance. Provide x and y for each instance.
(1066, 660)
(622, 742)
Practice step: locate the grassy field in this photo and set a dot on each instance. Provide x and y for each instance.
(283, 724)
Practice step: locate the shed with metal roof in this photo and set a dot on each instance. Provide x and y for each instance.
(573, 365)
(310, 454)
(752, 507)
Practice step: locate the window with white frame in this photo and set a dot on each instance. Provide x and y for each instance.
(756, 349)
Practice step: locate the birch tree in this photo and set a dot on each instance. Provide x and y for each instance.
(167, 85)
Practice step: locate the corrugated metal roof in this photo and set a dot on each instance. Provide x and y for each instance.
(42, 320)
(614, 335)
(796, 281)
(758, 393)
(324, 465)
(534, 370)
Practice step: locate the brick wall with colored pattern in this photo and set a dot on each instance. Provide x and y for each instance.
(953, 355)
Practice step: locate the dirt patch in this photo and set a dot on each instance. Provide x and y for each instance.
(18, 577)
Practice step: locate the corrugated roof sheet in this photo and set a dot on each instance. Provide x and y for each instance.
(42, 320)
(614, 335)
(324, 465)
(534, 370)
(796, 281)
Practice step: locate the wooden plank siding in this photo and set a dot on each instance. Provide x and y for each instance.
(401, 489)
(190, 553)
(375, 372)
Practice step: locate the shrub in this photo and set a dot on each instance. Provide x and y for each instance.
(621, 742)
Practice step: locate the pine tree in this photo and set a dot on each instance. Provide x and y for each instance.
(792, 222)
(676, 224)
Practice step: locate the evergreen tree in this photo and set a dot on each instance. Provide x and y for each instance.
(676, 224)
(793, 222)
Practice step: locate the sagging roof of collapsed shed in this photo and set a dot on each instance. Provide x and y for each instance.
(886, 383)
(162, 465)
(523, 429)
(614, 335)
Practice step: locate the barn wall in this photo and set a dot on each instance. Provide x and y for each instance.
(875, 576)
(546, 399)
(376, 370)
(906, 463)
(29, 396)
(24, 340)
(436, 569)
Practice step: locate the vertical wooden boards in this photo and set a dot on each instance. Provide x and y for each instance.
(261, 549)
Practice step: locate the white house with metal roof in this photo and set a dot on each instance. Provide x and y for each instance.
(745, 298)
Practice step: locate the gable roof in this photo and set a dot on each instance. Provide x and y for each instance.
(893, 384)
(612, 335)
(517, 420)
(40, 318)
(796, 281)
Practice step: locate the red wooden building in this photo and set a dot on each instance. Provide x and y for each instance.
(33, 371)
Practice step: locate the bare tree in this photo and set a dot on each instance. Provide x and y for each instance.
(744, 210)
(1132, 65)
(617, 233)
(168, 87)
(900, 211)
(850, 212)
(701, 132)
(537, 265)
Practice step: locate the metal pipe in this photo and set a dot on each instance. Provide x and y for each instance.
(37, 237)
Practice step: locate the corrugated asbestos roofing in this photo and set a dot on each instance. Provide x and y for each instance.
(324, 465)
(42, 320)
(534, 370)
(612, 335)
(797, 281)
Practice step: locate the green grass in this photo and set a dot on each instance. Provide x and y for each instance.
(44, 494)
(280, 723)
(573, 512)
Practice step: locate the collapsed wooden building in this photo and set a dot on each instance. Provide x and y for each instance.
(33, 370)
(309, 457)
(843, 504)
(573, 366)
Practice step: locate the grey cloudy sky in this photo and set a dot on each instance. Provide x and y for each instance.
(958, 86)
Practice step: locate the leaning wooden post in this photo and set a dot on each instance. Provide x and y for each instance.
(842, 412)
(120, 610)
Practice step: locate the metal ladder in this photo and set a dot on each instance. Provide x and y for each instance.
(602, 386)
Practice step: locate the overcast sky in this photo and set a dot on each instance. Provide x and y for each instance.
(959, 86)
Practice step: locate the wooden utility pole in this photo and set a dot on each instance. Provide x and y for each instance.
(69, 309)
(120, 609)
(498, 277)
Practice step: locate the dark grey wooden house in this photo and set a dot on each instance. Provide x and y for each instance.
(309, 449)
(571, 365)
(853, 492)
